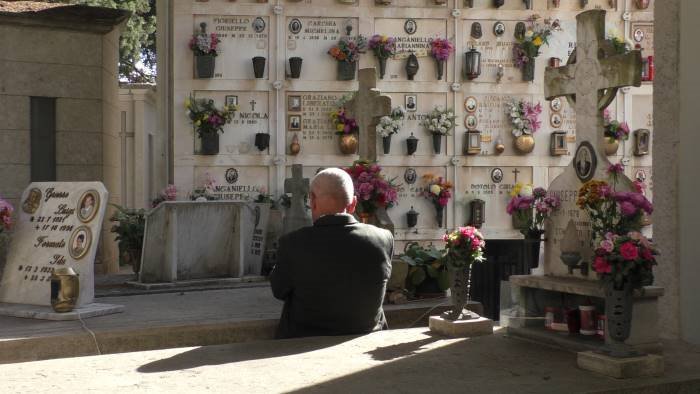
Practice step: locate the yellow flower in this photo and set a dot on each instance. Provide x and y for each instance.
(197, 123)
(435, 189)
(537, 41)
(340, 127)
(516, 189)
(188, 103)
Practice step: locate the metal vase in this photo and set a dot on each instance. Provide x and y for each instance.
(525, 143)
(204, 66)
(437, 143)
(412, 66)
(295, 67)
(472, 64)
(346, 71)
(642, 4)
(65, 289)
(611, 146)
(386, 144)
(499, 3)
(210, 143)
(439, 214)
(440, 64)
(262, 141)
(348, 143)
(459, 289)
(529, 71)
(411, 144)
(259, 66)
(618, 311)
(412, 218)
(382, 67)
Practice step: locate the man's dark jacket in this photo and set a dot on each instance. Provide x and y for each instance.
(332, 277)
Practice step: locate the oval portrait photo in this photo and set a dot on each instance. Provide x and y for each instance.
(80, 242)
(88, 204)
(585, 162)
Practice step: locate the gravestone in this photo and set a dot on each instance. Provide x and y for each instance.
(296, 216)
(367, 107)
(59, 225)
(589, 83)
(190, 240)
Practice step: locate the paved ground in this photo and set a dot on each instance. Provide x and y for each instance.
(400, 361)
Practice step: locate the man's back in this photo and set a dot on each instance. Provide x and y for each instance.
(332, 277)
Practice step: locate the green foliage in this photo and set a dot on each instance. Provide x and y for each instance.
(425, 263)
(130, 227)
(137, 46)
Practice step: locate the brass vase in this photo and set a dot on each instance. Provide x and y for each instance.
(348, 143)
(65, 288)
(525, 143)
(294, 147)
(611, 146)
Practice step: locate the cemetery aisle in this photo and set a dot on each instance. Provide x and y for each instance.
(407, 360)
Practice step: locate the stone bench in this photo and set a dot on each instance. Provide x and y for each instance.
(531, 293)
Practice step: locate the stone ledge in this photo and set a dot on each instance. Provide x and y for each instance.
(591, 288)
(195, 283)
(47, 313)
(461, 328)
(621, 368)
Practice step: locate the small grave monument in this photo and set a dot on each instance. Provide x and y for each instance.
(296, 216)
(589, 81)
(59, 226)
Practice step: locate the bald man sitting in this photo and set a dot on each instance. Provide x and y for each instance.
(332, 276)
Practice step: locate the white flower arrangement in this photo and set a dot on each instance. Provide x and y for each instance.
(389, 125)
(524, 116)
(440, 121)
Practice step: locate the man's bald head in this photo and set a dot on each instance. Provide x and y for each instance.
(332, 192)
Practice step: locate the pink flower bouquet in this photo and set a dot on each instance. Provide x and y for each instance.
(625, 258)
(464, 247)
(372, 189)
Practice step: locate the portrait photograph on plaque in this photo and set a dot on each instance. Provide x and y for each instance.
(470, 104)
(80, 242)
(411, 102)
(88, 205)
(585, 161)
(555, 120)
(294, 122)
(32, 202)
(641, 142)
(231, 100)
(294, 103)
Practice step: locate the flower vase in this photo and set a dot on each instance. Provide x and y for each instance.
(134, 256)
(346, 71)
(439, 213)
(411, 144)
(459, 293)
(529, 70)
(531, 251)
(348, 143)
(382, 67)
(525, 143)
(259, 66)
(210, 143)
(386, 144)
(611, 146)
(205, 66)
(262, 141)
(618, 311)
(440, 64)
(295, 67)
(437, 143)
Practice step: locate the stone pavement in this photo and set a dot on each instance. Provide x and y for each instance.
(397, 361)
(167, 320)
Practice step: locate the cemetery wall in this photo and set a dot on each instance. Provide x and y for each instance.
(76, 65)
(265, 102)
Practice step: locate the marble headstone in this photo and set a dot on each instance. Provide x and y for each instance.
(59, 225)
(581, 83)
(296, 216)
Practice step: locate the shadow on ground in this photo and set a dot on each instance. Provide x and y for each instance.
(228, 354)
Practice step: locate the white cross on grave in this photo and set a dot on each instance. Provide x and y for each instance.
(589, 81)
(296, 216)
(367, 107)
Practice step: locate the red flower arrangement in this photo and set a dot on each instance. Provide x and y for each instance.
(6, 210)
(629, 257)
(372, 189)
(464, 246)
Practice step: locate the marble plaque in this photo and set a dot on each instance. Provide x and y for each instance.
(317, 133)
(233, 183)
(239, 34)
(418, 42)
(424, 103)
(481, 183)
(409, 196)
(252, 117)
(575, 5)
(59, 225)
(310, 38)
(642, 113)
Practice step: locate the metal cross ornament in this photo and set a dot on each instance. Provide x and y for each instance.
(592, 76)
(367, 107)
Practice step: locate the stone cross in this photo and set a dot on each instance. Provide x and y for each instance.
(296, 216)
(367, 107)
(583, 81)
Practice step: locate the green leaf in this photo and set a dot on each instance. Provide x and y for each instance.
(418, 277)
(444, 280)
(406, 259)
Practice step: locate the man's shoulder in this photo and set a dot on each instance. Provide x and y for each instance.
(376, 232)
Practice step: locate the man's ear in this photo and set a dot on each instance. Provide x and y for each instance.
(351, 208)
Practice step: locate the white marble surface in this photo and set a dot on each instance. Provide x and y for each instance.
(48, 225)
